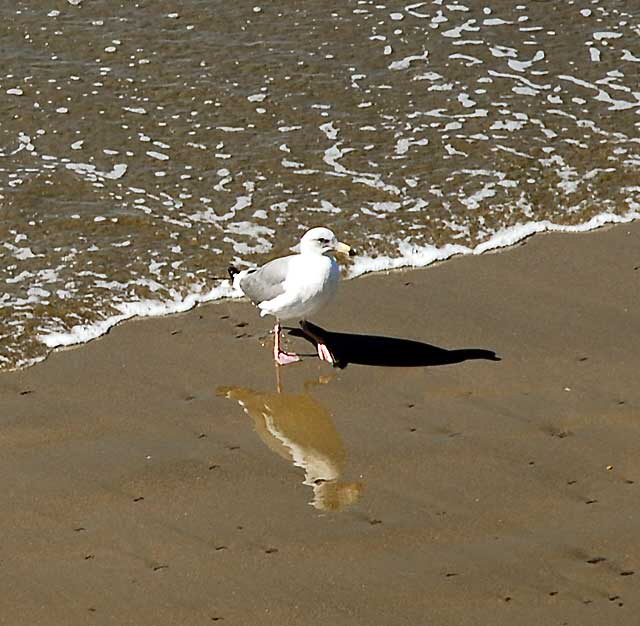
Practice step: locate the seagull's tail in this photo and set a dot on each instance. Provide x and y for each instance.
(235, 275)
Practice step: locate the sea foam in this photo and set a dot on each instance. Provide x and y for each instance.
(409, 256)
(421, 256)
(82, 333)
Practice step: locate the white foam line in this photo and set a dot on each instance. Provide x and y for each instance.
(421, 256)
(410, 256)
(82, 333)
(514, 234)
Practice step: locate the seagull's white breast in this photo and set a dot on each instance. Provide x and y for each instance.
(311, 282)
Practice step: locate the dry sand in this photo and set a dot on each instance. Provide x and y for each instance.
(138, 490)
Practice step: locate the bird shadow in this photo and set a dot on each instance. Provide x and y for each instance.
(381, 351)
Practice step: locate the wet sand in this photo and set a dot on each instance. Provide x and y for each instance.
(457, 491)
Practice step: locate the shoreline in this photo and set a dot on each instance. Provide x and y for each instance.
(157, 476)
(422, 258)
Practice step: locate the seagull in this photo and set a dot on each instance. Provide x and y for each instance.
(295, 286)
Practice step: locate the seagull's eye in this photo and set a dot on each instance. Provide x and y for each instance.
(322, 240)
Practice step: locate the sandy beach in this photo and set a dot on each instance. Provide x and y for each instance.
(156, 476)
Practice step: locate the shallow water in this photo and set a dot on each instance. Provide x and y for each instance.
(145, 146)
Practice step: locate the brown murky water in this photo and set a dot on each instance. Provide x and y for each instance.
(144, 145)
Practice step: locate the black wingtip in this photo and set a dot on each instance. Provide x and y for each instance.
(233, 271)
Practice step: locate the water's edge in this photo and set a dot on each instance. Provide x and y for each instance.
(412, 258)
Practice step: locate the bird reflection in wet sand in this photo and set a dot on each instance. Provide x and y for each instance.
(298, 428)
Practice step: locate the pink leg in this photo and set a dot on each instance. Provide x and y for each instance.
(324, 353)
(281, 357)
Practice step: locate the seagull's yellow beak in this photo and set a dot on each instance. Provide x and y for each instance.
(343, 248)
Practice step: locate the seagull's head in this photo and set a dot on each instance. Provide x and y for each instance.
(321, 240)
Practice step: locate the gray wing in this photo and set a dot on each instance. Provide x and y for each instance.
(266, 282)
